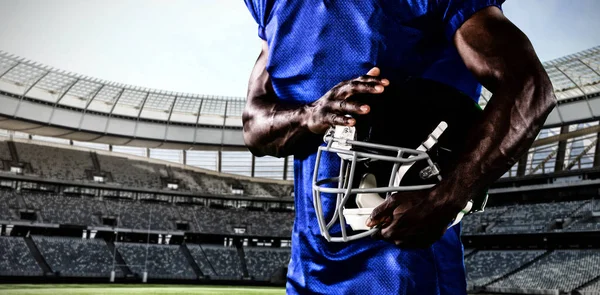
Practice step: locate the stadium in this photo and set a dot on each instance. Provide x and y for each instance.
(113, 188)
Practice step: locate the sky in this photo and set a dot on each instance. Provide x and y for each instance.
(210, 46)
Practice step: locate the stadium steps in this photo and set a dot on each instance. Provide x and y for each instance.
(95, 161)
(591, 282)
(13, 151)
(120, 261)
(526, 265)
(242, 255)
(207, 260)
(188, 256)
(37, 255)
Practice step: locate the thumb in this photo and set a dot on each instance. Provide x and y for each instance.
(374, 72)
(381, 213)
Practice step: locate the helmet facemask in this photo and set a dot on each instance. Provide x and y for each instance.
(364, 190)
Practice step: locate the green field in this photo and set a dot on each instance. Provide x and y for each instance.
(71, 289)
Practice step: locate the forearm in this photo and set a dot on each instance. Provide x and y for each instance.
(509, 125)
(504, 61)
(276, 128)
(280, 128)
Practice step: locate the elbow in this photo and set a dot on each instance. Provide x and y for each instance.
(252, 145)
(251, 138)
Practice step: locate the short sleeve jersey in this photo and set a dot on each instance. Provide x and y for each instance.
(314, 45)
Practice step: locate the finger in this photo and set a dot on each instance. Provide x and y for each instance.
(349, 107)
(381, 213)
(356, 87)
(372, 79)
(339, 120)
(374, 71)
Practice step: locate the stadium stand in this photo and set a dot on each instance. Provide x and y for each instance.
(55, 163)
(264, 262)
(133, 173)
(201, 260)
(224, 260)
(15, 258)
(65, 164)
(592, 289)
(63, 209)
(85, 210)
(584, 218)
(477, 223)
(138, 215)
(4, 151)
(160, 261)
(560, 271)
(483, 267)
(75, 256)
(532, 217)
(522, 218)
(7, 205)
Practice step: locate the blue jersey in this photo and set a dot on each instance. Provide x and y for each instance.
(314, 45)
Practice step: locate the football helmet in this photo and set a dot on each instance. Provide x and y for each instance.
(410, 140)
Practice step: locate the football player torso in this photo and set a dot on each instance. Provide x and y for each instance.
(314, 45)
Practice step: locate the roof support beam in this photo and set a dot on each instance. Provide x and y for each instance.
(561, 150)
(9, 69)
(577, 159)
(568, 135)
(597, 152)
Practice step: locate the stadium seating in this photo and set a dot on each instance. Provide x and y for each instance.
(75, 165)
(63, 209)
(583, 220)
(561, 271)
(484, 267)
(4, 151)
(160, 261)
(530, 217)
(15, 258)
(55, 163)
(133, 173)
(76, 256)
(224, 260)
(7, 205)
(200, 258)
(212, 184)
(140, 215)
(592, 289)
(476, 223)
(263, 262)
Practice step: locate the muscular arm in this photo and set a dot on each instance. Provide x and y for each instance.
(272, 127)
(504, 61)
(280, 128)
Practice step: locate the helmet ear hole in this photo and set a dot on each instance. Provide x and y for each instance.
(368, 200)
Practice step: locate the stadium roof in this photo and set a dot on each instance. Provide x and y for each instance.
(572, 76)
(41, 100)
(77, 91)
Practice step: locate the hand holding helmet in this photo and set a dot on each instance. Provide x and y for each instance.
(396, 167)
(416, 219)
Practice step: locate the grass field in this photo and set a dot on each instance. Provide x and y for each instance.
(97, 289)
